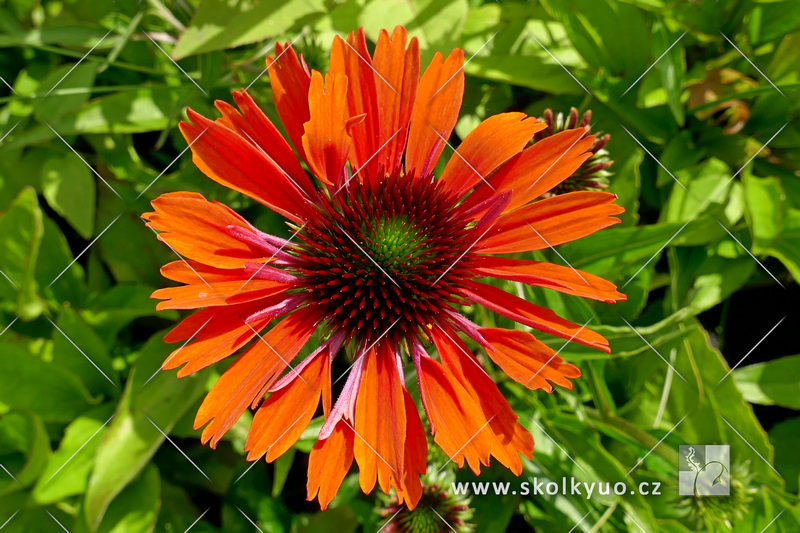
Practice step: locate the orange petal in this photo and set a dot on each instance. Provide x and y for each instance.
(195, 272)
(325, 140)
(196, 228)
(537, 169)
(550, 222)
(457, 422)
(328, 463)
(543, 274)
(234, 162)
(532, 315)
(217, 333)
(493, 142)
(527, 360)
(435, 112)
(252, 124)
(511, 438)
(216, 293)
(399, 67)
(289, 80)
(351, 58)
(380, 421)
(416, 456)
(285, 414)
(257, 368)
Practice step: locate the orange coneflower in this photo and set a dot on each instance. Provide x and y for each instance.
(383, 255)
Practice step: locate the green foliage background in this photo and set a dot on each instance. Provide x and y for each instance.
(91, 437)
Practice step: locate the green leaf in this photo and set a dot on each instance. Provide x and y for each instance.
(637, 292)
(178, 512)
(492, 511)
(594, 30)
(436, 23)
(707, 398)
(787, 247)
(282, 466)
(72, 35)
(130, 250)
(67, 471)
(131, 111)
(624, 342)
(17, 517)
(702, 277)
(671, 67)
(136, 508)
(51, 108)
(615, 253)
(69, 287)
(69, 187)
(775, 225)
(705, 185)
(585, 445)
(20, 236)
(146, 409)
(27, 382)
(220, 24)
(24, 449)
(772, 20)
(112, 310)
(339, 520)
(786, 438)
(534, 72)
(764, 199)
(481, 99)
(88, 358)
(145, 109)
(772, 383)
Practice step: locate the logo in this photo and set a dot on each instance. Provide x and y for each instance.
(705, 470)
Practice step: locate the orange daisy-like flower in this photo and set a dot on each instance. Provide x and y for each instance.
(382, 257)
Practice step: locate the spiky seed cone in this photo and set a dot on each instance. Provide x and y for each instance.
(386, 256)
(438, 511)
(593, 174)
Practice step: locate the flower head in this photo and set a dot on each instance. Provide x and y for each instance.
(383, 255)
(593, 174)
(439, 510)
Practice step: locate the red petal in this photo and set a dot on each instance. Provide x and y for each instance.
(351, 58)
(328, 463)
(380, 421)
(416, 456)
(550, 222)
(528, 361)
(289, 80)
(457, 422)
(253, 125)
(194, 272)
(255, 369)
(217, 333)
(526, 313)
(214, 294)
(493, 142)
(542, 274)
(233, 161)
(325, 140)
(400, 68)
(196, 228)
(435, 112)
(285, 414)
(512, 438)
(537, 169)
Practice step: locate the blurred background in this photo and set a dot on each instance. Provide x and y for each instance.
(700, 99)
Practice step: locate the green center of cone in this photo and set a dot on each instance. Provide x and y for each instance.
(394, 242)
